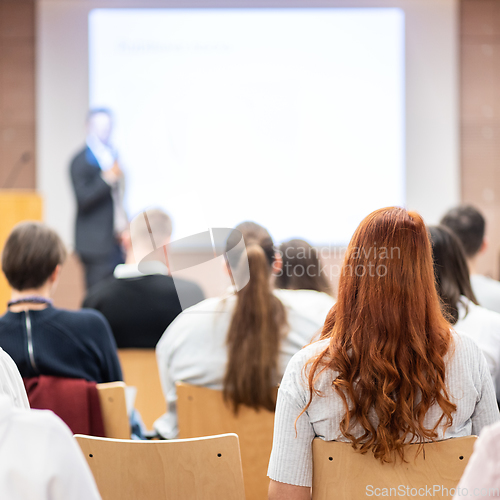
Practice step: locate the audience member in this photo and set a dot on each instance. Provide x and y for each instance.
(469, 225)
(301, 278)
(481, 478)
(239, 344)
(388, 370)
(41, 339)
(140, 304)
(40, 459)
(460, 304)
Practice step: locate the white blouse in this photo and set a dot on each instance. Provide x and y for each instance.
(467, 378)
(11, 382)
(193, 348)
(40, 459)
(483, 327)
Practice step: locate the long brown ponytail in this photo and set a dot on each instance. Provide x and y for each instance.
(256, 328)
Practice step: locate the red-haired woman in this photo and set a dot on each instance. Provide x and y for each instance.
(388, 370)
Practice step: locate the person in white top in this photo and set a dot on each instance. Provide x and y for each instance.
(458, 298)
(481, 478)
(11, 382)
(388, 370)
(470, 227)
(40, 459)
(301, 272)
(241, 343)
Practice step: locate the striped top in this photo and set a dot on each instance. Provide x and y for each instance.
(468, 380)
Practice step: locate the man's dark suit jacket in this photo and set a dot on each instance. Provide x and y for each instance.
(94, 237)
(140, 309)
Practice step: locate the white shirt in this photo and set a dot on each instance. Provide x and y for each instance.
(481, 478)
(40, 459)
(483, 327)
(148, 268)
(487, 291)
(312, 304)
(193, 348)
(11, 382)
(469, 386)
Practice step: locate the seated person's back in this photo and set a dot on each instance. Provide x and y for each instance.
(241, 343)
(470, 227)
(302, 278)
(40, 459)
(41, 339)
(454, 288)
(139, 304)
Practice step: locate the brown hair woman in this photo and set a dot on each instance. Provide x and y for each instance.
(239, 344)
(388, 369)
(301, 268)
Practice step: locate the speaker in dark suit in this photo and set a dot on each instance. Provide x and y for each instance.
(97, 179)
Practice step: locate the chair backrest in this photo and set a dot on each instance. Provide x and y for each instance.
(203, 412)
(114, 410)
(191, 469)
(339, 472)
(141, 370)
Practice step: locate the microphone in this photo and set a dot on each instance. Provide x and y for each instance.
(16, 170)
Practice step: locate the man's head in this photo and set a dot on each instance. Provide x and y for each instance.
(469, 225)
(31, 256)
(100, 124)
(149, 230)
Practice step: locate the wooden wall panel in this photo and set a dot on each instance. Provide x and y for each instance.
(17, 94)
(480, 117)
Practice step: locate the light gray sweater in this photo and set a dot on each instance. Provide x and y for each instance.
(468, 381)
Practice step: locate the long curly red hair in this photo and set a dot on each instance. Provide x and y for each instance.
(388, 336)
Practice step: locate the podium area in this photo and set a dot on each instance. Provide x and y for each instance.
(15, 206)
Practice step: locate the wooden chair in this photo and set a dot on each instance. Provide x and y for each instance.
(191, 469)
(114, 410)
(203, 412)
(140, 370)
(341, 473)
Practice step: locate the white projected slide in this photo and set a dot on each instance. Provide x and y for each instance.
(293, 118)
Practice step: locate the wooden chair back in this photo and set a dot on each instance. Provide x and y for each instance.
(341, 473)
(203, 412)
(191, 469)
(141, 370)
(114, 410)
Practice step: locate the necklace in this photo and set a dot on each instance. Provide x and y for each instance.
(33, 299)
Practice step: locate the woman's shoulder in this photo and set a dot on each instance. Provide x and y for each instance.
(204, 312)
(465, 350)
(308, 352)
(297, 369)
(89, 318)
(299, 297)
(211, 315)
